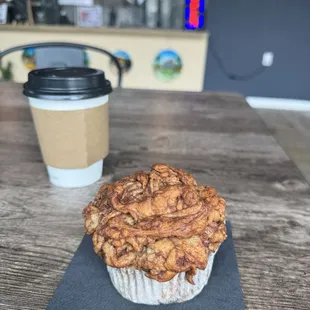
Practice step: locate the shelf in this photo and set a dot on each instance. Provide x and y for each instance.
(105, 30)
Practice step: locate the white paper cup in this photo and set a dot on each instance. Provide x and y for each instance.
(70, 112)
(71, 178)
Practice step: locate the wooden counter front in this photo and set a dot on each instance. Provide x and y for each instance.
(142, 46)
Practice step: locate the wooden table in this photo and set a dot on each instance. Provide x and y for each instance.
(217, 137)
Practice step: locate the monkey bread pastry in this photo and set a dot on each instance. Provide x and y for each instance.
(157, 232)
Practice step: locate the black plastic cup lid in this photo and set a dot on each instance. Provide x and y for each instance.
(75, 83)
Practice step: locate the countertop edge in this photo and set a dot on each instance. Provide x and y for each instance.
(108, 31)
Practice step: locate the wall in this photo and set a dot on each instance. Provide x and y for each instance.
(241, 30)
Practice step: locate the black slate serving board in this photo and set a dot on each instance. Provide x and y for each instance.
(86, 284)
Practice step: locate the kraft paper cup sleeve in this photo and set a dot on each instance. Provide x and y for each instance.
(72, 139)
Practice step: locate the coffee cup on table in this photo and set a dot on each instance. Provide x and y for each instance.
(70, 112)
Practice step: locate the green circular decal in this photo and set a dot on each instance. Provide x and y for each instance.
(167, 65)
(29, 59)
(86, 59)
(124, 60)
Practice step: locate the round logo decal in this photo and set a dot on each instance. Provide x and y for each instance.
(167, 65)
(124, 60)
(29, 59)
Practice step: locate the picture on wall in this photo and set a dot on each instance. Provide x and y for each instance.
(167, 65)
(124, 60)
(29, 58)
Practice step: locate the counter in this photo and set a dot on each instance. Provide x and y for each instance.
(155, 59)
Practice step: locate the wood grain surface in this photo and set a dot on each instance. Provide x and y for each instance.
(216, 137)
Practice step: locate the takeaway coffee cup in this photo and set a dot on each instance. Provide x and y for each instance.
(70, 112)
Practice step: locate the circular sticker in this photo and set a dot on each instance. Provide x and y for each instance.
(124, 60)
(29, 58)
(167, 65)
(86, 59)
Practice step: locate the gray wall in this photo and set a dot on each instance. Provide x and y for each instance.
(243, 29)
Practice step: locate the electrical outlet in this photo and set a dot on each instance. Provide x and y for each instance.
(267, 59)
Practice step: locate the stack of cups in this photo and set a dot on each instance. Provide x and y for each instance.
(71, 116)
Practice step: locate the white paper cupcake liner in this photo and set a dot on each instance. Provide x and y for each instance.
(133, 285)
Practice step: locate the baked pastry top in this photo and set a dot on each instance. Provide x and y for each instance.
(161, 222)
